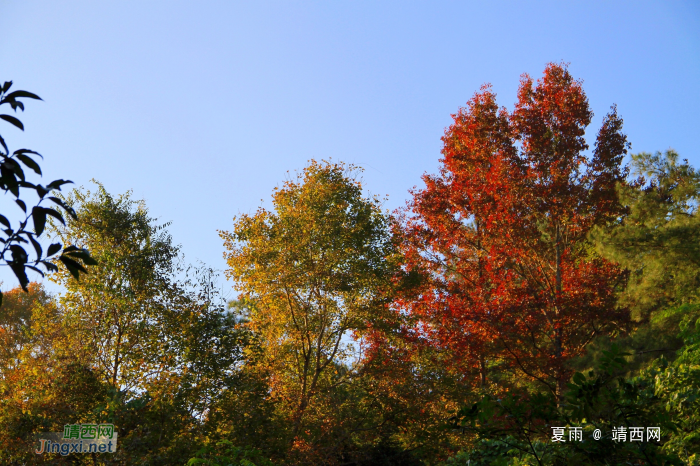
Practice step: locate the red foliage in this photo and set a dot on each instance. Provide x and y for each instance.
(499, 234)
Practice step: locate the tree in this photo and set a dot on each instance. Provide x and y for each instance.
(16, 321)
(500, 234)
(42, 385)
(659, 238)
(656, 241)
(517, 427)
(152, 331)
(13, 180)
(226, 453)
(312, 273)
(118, 309)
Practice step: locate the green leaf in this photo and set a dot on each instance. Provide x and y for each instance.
(12, 120)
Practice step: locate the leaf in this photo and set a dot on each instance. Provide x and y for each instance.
(15, 167)
(22, 205)
(6, 86)
(53, 249)
(8, 179)
(12, 120)
(2, 142)
(26, 160)
(66, 207)
(21, 274)
(39, 218)
(56, 184)
(35, 243)
(27, 151)
(73, 267)
(41, 191)
(89, 260)
(15, 104)
(18, 94)
(39, 271)
(19, 255)
(4, 221)
(55, 214)
(82, 254)
(49, 266)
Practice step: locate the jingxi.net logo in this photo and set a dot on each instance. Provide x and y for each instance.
(79, 438)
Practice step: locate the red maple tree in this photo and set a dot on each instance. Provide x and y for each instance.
(499, 234)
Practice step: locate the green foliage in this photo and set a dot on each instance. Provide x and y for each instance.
(678, 386)
(659, 239)
(153, 330)
(118, 311)
(505, 451)
(517, 429)
(226, 454)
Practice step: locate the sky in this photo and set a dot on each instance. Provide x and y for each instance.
(203, 108)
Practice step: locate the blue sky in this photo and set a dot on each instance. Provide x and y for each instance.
(201, 108)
